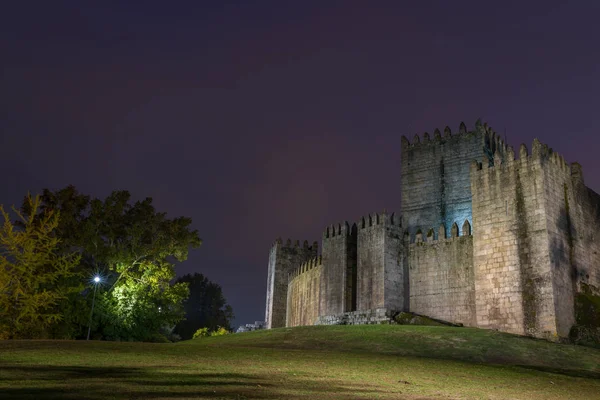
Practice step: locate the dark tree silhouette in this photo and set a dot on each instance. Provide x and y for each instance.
(205, 308)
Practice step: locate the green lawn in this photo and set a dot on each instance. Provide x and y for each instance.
(335, 362)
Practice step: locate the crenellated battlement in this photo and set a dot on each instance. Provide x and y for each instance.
(293, 245)
(376, 219)
(340, 229)
(540, 153)
(535, 243)
(305, 267)
(429, 236)
(490, 136)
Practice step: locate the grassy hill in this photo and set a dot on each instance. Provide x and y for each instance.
(334, 362)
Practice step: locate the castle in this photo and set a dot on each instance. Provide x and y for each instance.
(485, 239)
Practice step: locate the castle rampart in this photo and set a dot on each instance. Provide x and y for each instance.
(381, 263)
(304, 293)
(485, 239)
(283, 259)
(519, 274)
(435, 175)
(338, 293)
(441, 278)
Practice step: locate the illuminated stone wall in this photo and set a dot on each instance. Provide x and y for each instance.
(441, 281)
(485, 240)
(283, 259)
(304, 293)
(381, 264)
(522, 251)
(338, 285)
(436, 187)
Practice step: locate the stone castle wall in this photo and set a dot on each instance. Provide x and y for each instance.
(339, 269)
(516, 207)
(534, 245)
(441, 280)
(283, 259)
(584, 214)
(304, 293)
(435, 176)
(381, 263)
(558, 189)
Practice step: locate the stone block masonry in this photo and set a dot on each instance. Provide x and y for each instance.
(441, 283)
(338, 283)
(381, 266)
(369, 317)
(435, 175)
(304, 292)
(485, 240)
(283, 259)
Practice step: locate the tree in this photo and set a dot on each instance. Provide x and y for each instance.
(206, 307)
(33, 274)
(134, 247)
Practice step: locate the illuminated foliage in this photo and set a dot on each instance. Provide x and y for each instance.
(204, 332)
(135, 247)
(200, 333)
(33, 275)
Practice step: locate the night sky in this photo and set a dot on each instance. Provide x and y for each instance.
(278, 118)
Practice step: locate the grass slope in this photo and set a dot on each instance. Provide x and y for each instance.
(335, 362)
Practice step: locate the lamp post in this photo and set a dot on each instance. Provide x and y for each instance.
(96, 282)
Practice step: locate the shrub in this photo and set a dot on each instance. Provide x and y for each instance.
(202, 332)
(219, 332)
(157, 338)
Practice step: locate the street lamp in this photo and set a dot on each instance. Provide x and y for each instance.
(96, 282)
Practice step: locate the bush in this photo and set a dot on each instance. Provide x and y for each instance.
(219, 332)
(202, 332)
(585, 336)
(157, 338)
(586, 331)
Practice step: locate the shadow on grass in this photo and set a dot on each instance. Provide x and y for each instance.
(72, 382)
(577, 373)
(465, 345)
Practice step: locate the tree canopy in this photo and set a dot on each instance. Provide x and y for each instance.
(133, 248)
(206, 307)
(33, 275)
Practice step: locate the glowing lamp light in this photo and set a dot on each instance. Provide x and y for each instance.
(96, 281)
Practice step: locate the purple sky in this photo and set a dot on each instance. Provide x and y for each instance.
(275, 119)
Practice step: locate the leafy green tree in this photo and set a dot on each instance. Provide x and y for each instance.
(206, 307)
(33, 274)
(75, 305)
(134, 247)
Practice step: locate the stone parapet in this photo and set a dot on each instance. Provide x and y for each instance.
(367, 317)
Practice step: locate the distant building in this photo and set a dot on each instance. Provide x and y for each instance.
(251, 327)
(484, 239)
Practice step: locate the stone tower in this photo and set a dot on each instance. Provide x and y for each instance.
(485, 240)
(283, 259)
(436, 185)
(338, 283)
(381, 263)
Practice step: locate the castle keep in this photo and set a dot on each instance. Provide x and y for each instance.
(486, 239)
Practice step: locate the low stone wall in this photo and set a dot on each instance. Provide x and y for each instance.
(251, 327)
(376, 316)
